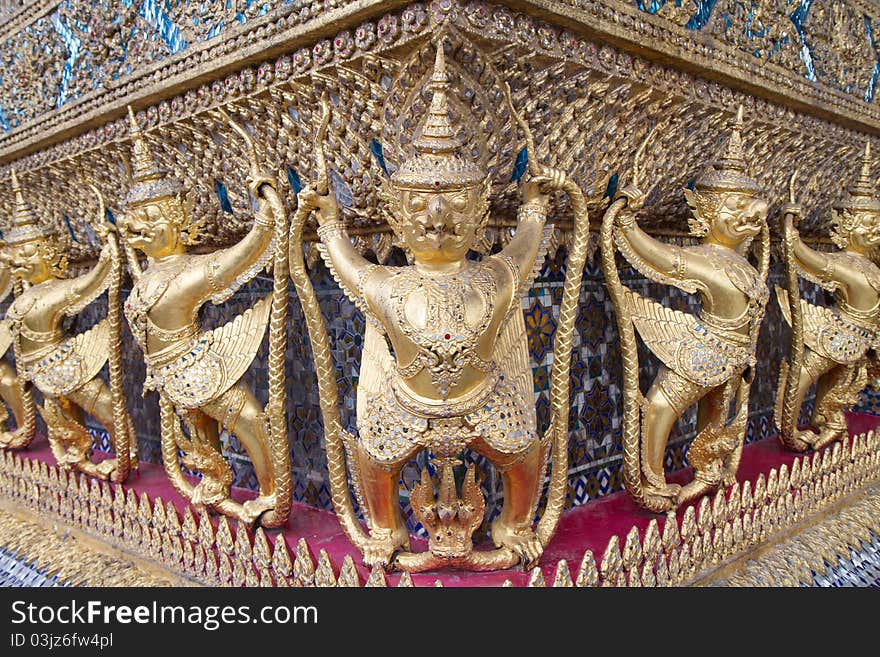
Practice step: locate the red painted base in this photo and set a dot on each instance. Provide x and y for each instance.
(586, 527)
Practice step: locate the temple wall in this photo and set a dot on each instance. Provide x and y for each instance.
(592, 77)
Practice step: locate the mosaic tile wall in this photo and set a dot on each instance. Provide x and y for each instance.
(595, 450)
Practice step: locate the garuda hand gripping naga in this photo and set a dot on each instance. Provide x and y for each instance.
(197, 372)
(829, 345)
(11, 387)
(709, 358)
(66, 369)
(445, 363)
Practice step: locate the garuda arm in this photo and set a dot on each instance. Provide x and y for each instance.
(228, 269)
(658, 261)
(812, 265)
(79, 292)
(348, 267)
(5, 279)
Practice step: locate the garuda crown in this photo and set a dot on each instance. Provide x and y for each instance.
(149, 181)
(860, 195)
(25, 227)
(727, 173)
(437, 162)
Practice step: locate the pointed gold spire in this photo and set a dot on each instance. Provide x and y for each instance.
(860, 195)
(25, 227)
(149, 181)
(437, 162)
(728, 172)
(438, 134)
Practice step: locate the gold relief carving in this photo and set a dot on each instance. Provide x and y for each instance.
(708, 359)
(839, 45)
(197, 373)
(65, 368)
(830, 346)
(766, 29)
(459, 374)
(763, 29)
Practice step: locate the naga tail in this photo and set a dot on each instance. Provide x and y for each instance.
(632, 465)
(789, 376)
(325, 369)
(327, 388)
(24, 434)
(125, 439)
(279, 449)
(560, 376)
(123, 429)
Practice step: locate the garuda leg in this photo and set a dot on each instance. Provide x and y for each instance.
(669, 397)
(239, 411)
(814, 369)
(11, 394)
(837, 389)
(95, 398)
(521, 480)
(380, 484)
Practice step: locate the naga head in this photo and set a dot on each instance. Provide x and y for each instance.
(855, 220)
(156, 221)
(33, 252)
(725, 202)
(437, 201)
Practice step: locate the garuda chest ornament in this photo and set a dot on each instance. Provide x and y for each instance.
(830, 346)
(707, 358)
(445, 364)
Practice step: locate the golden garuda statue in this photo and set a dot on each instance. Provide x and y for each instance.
(829, 345)
(445, 364)
(11, 387)
(198, 372)
(708, 358)
(66, 368)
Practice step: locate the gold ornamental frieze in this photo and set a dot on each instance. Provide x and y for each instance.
(77, 61)
(784, 529)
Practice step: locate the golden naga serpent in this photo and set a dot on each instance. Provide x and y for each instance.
(790, 374)
(559, 379)
(275, 409)
(125, 443)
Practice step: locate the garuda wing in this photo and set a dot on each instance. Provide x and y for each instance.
(827, 333)
(214, 360)
(72, 364)
(376, 365)
(235, 344)
(511, 353)
(685, 344)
